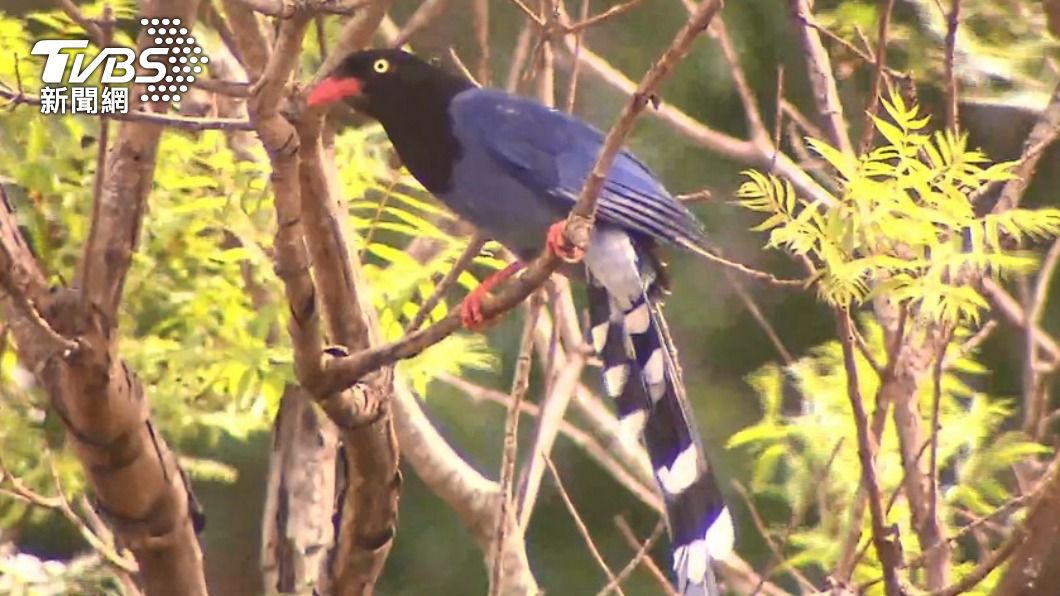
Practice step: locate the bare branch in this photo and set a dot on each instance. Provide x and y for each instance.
(480, 9)
(1029, 541)
(582, 529)
(641, 552)
(511, 430)
(755, 126)
(572, 86)
(886, 547)
(826, 94)
(1011, 310)
(755, 154)
(597, 452)
(474, 247)
(778, 554)
(877, 78)
(287, 9)
(1043, 134)
(93, 30)
(952, 20)
(428, 11)
(649, 564)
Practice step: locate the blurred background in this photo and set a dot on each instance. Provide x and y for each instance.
(1007, 71)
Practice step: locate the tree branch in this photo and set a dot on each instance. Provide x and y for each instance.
(819, 67)
(886, 546)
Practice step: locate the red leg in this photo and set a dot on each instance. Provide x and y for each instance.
(471, 309)
(557, 243)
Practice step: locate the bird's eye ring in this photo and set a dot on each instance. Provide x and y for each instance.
(381, 65)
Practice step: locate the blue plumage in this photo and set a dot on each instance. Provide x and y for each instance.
(536, 159)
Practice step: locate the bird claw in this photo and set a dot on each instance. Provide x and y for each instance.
(558, 244)
(471, 311)
(471, 308)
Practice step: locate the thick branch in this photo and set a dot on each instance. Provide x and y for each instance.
(1043, 134)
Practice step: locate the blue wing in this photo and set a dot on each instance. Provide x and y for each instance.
(552, 153)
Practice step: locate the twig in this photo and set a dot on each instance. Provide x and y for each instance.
(936, 404)
(695, 197)
(520, 53)
(763, 530)
(977, 339)
(546, 64)
(1011, 310)
(464, 70)
(757, 154)
(482, 38)
(613, 11)
(427, 12)
(287, 9)
(952, 20)
(95, 32)
(641, 552)
(511, 432)
(1043, 133)
(778, 116)
(649, 564)
(322, 42)
(866, 352)
(1045, 278)
(474, 247)
(582, 529)
(822, 79)
(750, 105)
(553, 410)
(762, 276)
(229, 88)
(530, 14)
(572, 85)
(760, 318)
(605, 458)
(886, 549)
(877, 78)
(61, 504)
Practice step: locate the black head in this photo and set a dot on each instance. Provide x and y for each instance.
(383, 83)
(410, 97)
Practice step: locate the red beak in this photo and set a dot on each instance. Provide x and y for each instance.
(333, 89)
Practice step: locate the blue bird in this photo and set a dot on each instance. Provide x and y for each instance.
(513, 168)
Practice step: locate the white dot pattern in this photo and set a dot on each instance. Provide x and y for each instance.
(185, 56)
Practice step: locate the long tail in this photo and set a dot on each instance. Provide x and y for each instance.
(641, 374)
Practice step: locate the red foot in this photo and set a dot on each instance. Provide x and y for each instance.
(471, 308)
(557, 243)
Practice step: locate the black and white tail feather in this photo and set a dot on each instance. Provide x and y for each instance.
(641, 374)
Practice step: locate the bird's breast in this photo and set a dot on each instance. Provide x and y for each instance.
(491, 199)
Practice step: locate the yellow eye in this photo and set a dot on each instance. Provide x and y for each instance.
(381, 65)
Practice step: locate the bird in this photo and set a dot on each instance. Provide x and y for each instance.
(513, 167)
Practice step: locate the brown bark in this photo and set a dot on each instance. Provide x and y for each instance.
(319, 273)
(300, 497)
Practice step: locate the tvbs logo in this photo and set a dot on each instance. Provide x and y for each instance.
(167, 68)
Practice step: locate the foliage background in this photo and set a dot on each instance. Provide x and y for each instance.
(214, 356)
